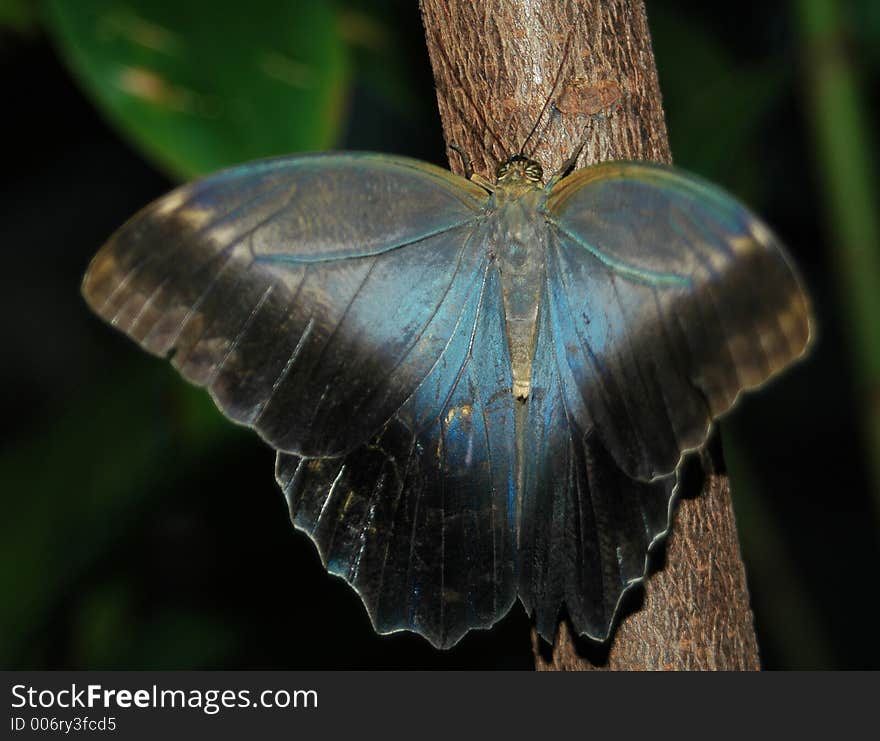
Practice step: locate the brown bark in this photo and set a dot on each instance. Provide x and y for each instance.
(495, 63)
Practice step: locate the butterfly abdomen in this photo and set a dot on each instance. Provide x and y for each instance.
(519, 240)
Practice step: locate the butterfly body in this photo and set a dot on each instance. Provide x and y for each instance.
(518, 236)
(475, 394)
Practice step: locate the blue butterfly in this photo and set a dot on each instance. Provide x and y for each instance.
(477, 393)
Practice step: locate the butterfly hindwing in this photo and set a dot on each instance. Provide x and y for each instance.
(421, 520)
(586, 526)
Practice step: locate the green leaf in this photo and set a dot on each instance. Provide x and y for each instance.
(203, 84)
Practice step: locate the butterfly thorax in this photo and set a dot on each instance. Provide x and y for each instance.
(518, 239)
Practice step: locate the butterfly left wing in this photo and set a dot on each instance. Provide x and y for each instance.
(310, 294)
(664, 300)
(344, 306)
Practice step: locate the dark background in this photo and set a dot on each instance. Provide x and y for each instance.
(141, 530)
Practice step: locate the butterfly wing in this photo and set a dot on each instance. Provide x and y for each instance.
(310, 294)
(421, 520)
(664, 299)
(344, 306)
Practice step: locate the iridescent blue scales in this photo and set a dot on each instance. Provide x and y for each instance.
(474, 396)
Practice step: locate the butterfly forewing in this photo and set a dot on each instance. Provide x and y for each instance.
(310, 294)
(676, 299)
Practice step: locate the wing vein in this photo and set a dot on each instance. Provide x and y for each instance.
(641, 275)
(574, 440)
(421, 332)
(332, 336)
(147, 303)
(291, 359)
(395, 509)
(643, 381)
(225, 252)
(325, 505)
(233, 346)
(292, 259)
(495, 579)
(445, 404)
(122, 285)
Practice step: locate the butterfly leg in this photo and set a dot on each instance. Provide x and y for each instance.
(567, 166)
(465, 159)
(469, 169)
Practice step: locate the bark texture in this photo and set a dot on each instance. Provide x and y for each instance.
(495, 64)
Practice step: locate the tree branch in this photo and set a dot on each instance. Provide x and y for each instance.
(494, 64)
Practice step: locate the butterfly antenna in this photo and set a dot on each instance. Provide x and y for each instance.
(482, 119)
(552, 90)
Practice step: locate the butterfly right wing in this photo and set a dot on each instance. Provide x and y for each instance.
(664, 300)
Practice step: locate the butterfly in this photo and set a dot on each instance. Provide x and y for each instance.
(476, 392)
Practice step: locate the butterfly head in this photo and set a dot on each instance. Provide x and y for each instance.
(519, 170)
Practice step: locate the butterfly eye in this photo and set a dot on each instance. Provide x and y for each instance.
(534, 171)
